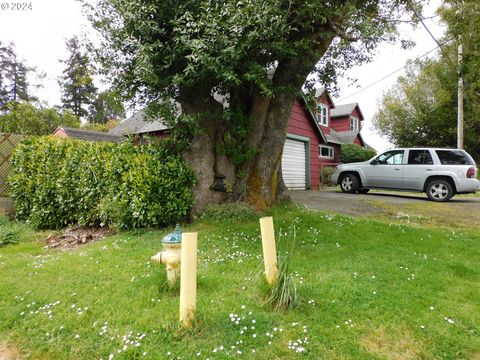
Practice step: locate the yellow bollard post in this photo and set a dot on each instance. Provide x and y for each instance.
(188, 279)
(269, 250)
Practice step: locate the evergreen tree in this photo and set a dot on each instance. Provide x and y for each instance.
(14, 73)
(78, 90)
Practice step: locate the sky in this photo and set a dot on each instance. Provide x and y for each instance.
(40, 33)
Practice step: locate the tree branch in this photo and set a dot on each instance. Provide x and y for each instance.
(341, 32)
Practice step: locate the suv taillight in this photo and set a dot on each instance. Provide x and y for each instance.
(471, 172)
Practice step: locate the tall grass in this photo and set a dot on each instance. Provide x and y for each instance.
(283, 294)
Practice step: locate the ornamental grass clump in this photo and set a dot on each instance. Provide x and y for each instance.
(283, 294)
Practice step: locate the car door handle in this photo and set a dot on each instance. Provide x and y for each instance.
(396, 169)
(428, 169)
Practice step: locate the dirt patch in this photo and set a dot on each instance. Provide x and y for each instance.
(401, 346)
(75, 237)
(8, 352)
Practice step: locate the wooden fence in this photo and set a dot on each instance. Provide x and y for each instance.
(8, 142)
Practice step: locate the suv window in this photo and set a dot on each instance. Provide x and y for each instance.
(453, 157)
(394, 157)
(419, 157)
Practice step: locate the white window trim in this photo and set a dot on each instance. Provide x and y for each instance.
(331, 152)
(321, 119)
(355, 123)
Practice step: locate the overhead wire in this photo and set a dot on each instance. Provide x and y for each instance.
(396, 71)
(439, 46)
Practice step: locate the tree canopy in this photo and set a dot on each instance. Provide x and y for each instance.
(15, 77)
(225, 74)
(76, 83)
(26, 118)
(106, 107)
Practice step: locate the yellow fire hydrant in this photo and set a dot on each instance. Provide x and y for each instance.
(171, 255)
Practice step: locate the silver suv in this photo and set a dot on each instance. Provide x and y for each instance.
(441, 173)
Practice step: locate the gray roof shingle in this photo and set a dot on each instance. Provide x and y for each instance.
(343, 110)
(342, 137)
(89, 135)
(138, 124)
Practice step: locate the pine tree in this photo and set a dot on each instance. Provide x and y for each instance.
(78, 90)
(14, 73)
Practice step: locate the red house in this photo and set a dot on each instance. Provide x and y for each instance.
(314, 139)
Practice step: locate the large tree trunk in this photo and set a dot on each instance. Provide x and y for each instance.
(259, 180)
(215, 172)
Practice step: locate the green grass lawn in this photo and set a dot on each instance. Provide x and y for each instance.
(368, 290)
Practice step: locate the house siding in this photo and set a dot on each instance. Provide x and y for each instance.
(342, 123)
(326, 101)
(60, 133)
(301, 124)
(358, 141)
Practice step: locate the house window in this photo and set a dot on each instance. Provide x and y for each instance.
(326, 152)
(322, 114)
(353, 123)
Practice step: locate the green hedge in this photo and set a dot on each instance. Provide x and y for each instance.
(59, 182)
(355, 153)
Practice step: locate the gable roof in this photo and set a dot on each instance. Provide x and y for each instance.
(88, 134)
(345, 110)
(320, 91)
(138, 124)
(312, 118)
(344, 137)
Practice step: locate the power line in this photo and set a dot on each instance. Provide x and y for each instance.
(425, 26)
(394, 72)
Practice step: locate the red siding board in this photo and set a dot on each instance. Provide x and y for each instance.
(301, 124)
(358, 141)
(341, 123)
(356, 113)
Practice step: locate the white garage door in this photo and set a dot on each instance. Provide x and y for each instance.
(294, 164)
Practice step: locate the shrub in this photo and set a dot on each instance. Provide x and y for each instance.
(326, 176)
(237, 212)
(8, 234)
(59, 182)
(7, 237)
(354, 153)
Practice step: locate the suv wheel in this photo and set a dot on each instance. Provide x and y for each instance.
(350, 183)
(439, 190)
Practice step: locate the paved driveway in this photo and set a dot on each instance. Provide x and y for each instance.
(330, 199)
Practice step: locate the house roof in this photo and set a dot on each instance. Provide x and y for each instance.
(87, 134)
(343, 137)
(312, 118)
(138, 124)
(319, 92)
(345, 110)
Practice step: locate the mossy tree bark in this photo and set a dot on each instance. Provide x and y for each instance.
(259, 180)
